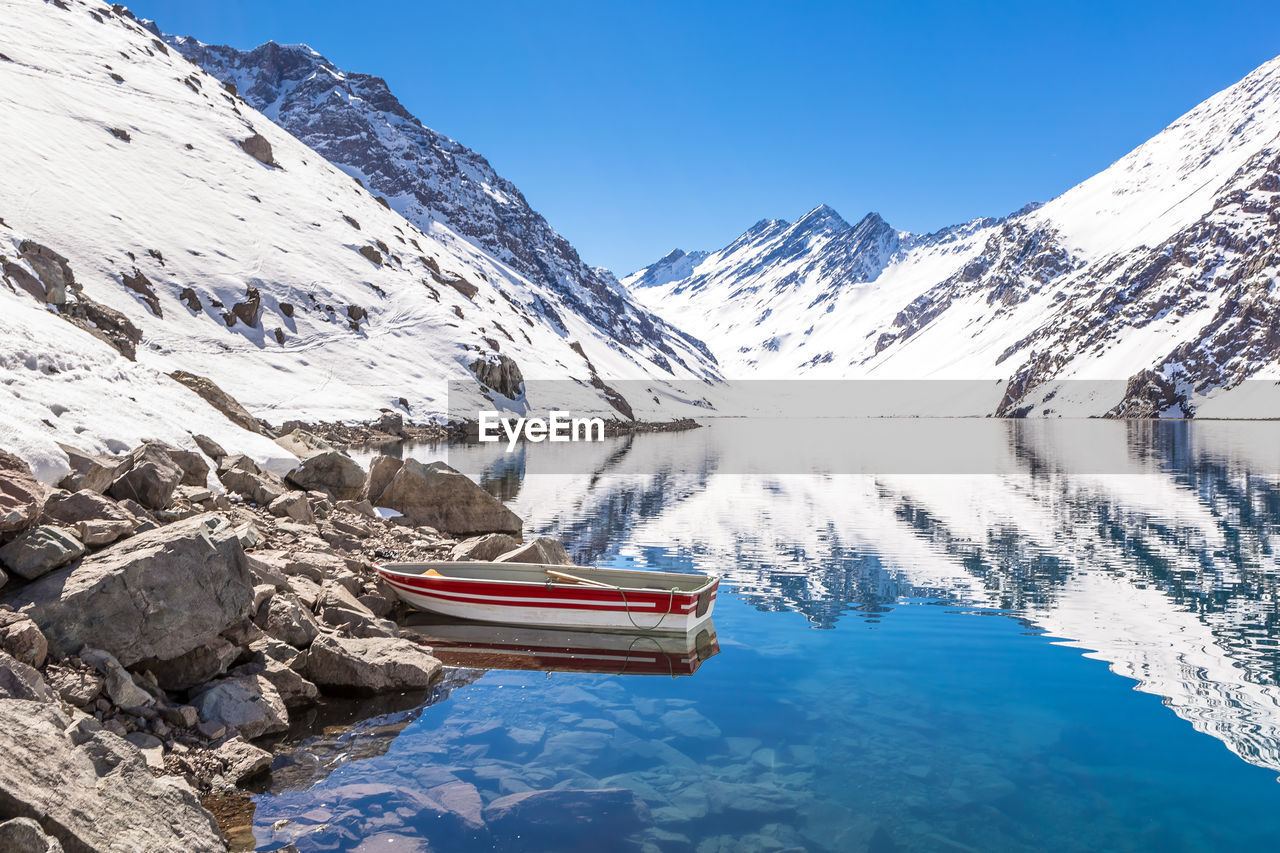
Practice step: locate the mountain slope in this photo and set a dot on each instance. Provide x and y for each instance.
(356, 123)
(152, 221)
(1156, 277)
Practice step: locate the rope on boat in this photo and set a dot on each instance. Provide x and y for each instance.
(552, 575)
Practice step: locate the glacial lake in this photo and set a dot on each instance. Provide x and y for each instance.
(1040, 657)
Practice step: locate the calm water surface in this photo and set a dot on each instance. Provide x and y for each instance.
(1035, 660)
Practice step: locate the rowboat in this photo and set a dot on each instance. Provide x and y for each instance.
(477, 645)
(556, 596)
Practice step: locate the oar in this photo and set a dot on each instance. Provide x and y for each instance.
(575, 579)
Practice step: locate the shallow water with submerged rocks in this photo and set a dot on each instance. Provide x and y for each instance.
(1029, 661)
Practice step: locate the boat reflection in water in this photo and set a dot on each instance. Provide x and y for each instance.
(477, 645)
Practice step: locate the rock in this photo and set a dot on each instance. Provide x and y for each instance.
(249, 535)
(95, 534)
(382, 470)
(340, 609)
(51, 268)
(92, 790)
(40, 550)
(353, 527)
(249, 704)
(373, 665)
(285, 618)
(332, 471)
(195, 667)
(21, 496)
(501, 373)
(242, 760)
(148, 475)
(151, 747)
(303, 444)
(117, 683)
(487, 547)
(315, 565)
(438, 496)
(259, 148)
(20, 637)
(210, 729)
(292, 505)
(209, 391)
(238, 462)
(295, 691)
(210, 448)
(267, 567)
(182, 716)
(363, 507)
(543, 550)
(76, 686)
(565, 819)
(157, 595)
(262, 488)
(379, 605)
(88, 472)
(262, 593)
(85, 505)
(19, 681)
(24, 835)
(195, 468)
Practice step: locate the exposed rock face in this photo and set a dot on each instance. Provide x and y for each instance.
(440, 497)
(106, 324)
(544, 549)
(487, 547)
(355, 122)
(21, 496)
(565, 819)
(92, 790)
(87, 472)
(500, 373)
(370, 665)
(51, 268)
(20, 638)
(24, 835)
(219, 399)
(157, 595)
(331, 471)
(40, 550)
(84, 505)
(249, 704)
(148, 475)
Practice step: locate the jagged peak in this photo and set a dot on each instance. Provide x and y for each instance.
(823, 217)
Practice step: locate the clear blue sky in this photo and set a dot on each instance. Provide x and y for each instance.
(638, 127)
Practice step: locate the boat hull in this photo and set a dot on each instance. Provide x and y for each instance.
(551, 604)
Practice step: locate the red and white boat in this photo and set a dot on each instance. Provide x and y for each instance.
(476, 645)
(556, 596)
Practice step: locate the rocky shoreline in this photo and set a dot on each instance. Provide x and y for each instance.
(167, 612)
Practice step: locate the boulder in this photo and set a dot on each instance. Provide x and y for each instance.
(195, 667)
(87, 471)
(21, 496)
(293, 505)
(543, 550)
(40, 550)
(220, 400)
(361, 507)
(286, 618)
(148, 475)
(91, 789)
(565, 819)
(99, 532)
(78, 686)
(262, 488)
(382, 470)
(259, 148)
(331, 471)
(242, 760)
(249, 704)
(62, 507)
(116, 680)
(20, 681)
(339, 608)
(195, 468)
(210, 448)
(376, 665)
(392, 423)
(438, 496)
(487, 547)
(20, 637)
(24, 835)
(295, 691)
(157, 595)
(303, 444)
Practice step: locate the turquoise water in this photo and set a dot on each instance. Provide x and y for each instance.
(1025, 662)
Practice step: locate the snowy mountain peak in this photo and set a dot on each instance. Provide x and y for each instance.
(821, 218)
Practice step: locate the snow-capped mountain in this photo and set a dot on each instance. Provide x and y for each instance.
(1158, 274)
(152, 221)
(357, 124)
